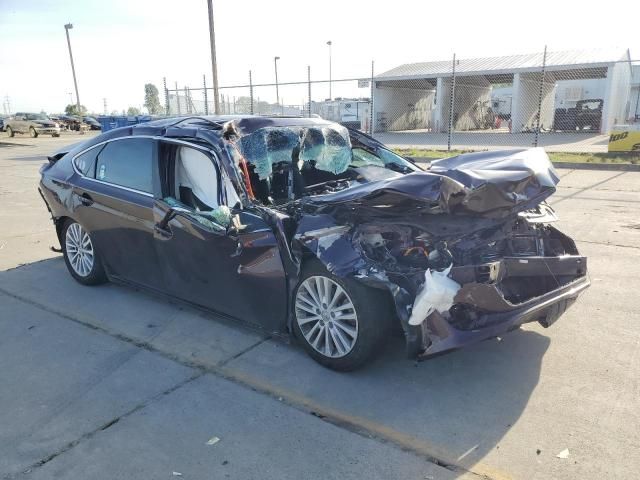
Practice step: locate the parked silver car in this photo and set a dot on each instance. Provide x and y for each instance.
(32, 123)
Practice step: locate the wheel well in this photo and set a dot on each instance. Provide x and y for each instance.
(60, 221)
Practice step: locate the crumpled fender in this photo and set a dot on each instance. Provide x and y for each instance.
(331, 243)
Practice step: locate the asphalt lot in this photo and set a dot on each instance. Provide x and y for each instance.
(111, 383)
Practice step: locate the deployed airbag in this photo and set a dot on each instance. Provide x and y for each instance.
(197, 172)
(436, 294)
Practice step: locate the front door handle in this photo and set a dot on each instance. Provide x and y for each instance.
(161, 232)
(86, 199)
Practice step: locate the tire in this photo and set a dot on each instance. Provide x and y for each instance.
(87, 271)
(33, 133)
(352, 341)
(54, 135)
(10, 132)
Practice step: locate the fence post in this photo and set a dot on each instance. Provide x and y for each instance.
(309, 90)
(540, 93)
(206, 100)
(451, 103)
(250, 93)
(187, 100)
(371, 106)
(178, 98)
(166, 96)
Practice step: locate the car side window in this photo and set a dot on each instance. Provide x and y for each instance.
(86, 162)
(128, 163)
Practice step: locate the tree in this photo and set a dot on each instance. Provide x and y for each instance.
(72, 109)
(133, 111)
(151, 99)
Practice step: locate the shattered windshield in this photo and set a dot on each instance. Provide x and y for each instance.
(285, 163)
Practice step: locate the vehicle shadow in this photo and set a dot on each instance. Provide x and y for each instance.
(459, 405)
(464, 401)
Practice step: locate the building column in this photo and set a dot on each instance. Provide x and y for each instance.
(441, 110)
(516, 104)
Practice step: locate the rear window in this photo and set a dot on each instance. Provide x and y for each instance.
(86, 162)
(128, 163)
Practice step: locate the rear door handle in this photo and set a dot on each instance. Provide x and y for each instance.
(86, 199)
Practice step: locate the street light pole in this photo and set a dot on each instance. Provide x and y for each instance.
(275, 64)
(214, 65)
(68, 27)
(329, 43)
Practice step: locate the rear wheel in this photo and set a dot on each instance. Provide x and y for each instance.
(10, 132)
(32, 132)
(339, 321)
(83, 261)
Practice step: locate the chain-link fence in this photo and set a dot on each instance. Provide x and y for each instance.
(564, 101)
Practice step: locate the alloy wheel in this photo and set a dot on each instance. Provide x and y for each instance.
(326, 316)
(79, 250)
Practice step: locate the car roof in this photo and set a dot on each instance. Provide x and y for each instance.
(245, 124)
(206, 127)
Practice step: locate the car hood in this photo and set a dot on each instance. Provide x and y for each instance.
(488, 184)
(44, 123)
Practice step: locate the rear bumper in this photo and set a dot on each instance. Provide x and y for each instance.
(438, 335)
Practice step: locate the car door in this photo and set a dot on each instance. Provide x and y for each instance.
(18, 123)
(211, 263)
(114, 197)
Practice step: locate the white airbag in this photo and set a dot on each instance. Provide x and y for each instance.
(436, 294)
(197, 172)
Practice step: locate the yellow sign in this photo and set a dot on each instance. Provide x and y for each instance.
(624, 141)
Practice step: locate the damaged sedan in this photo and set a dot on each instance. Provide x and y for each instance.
(306, 229)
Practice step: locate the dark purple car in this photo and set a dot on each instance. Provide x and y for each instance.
(302, 227)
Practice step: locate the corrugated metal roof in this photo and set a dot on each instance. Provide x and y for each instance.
(512, 63)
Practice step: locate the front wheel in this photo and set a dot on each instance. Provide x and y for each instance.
(32, 132)
(339, 321)
(10, 132)
(82, 259)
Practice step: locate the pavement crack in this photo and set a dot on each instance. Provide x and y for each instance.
(605, 244)
(242, 352)
(102, 427)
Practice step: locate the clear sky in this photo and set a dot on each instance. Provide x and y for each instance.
(119, 45)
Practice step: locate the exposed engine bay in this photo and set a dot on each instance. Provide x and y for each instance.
(403, 248)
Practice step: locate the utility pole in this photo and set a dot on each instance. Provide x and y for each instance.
(275, 64)
(330, 43)
(68, 27)
(6, 105)
(214, 65)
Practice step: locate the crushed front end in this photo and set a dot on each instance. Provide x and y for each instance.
(466, 251)
(498, 278)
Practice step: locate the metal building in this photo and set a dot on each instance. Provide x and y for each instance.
(417, 96)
